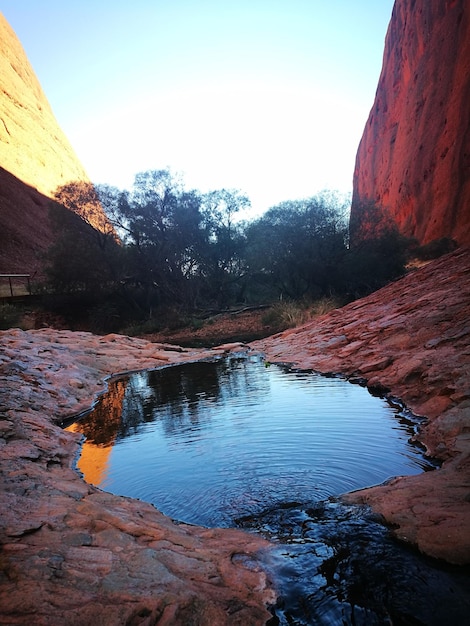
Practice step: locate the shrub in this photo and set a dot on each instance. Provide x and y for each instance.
(434, 249)
(372, 263)
(162, 319)
(324, 305)
(142, 328)
(290, 314)
(10, 316)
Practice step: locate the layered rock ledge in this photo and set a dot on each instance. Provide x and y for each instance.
(410, 340)
(72, 554)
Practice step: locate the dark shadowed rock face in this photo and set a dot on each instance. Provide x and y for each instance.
(36, 160)
(414, 156)
(25, 228)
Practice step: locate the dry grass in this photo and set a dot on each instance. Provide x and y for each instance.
(324, 305)
(290, 314)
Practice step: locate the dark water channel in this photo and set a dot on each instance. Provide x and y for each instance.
(234, 443)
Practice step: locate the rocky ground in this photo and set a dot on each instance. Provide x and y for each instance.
(73, 554)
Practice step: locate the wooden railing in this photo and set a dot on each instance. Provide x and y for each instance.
(16, 285)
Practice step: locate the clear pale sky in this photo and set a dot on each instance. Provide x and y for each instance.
(266, 96)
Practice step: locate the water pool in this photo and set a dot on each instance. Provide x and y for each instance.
(235, 442)
(210, 442)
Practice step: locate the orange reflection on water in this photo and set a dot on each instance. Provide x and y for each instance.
(100, 432)
(94, 460)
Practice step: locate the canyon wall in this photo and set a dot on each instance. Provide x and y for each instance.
(36, 159)
(413, 161)
(32, 145)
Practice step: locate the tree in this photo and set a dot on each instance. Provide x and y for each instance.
(82, 198)
(378, 253)
(160, 225)
(223, 259)
(294, 248)
(86, 255)
(81, 258)
(163, 247)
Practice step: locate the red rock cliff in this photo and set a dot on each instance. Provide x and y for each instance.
(32, 146)
(36, 159)
(414, 156)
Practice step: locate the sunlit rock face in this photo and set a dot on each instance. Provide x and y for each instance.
(414, 156)
(32, 146)
(36, 160)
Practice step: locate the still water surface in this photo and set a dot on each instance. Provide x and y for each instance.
(268, 449)
(210, 442)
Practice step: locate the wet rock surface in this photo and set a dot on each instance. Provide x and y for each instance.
(410, 340)
(72, 554)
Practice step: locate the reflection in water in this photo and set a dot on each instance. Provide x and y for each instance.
(210, 442)
(94, 460)
(338, 565)
(233, 443)
(100, 429)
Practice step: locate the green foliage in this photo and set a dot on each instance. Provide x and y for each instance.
(182, 250)
(296, 247)
(162, 319)
(378, 252)
(82, 199)
(142, 328)
(104, 316)
(223, 253)
(372, 263)
(82, 258)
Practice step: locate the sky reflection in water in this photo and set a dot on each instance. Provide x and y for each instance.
(210, 442)
(235, 443)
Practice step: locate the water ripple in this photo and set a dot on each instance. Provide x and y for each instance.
(208, 442)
